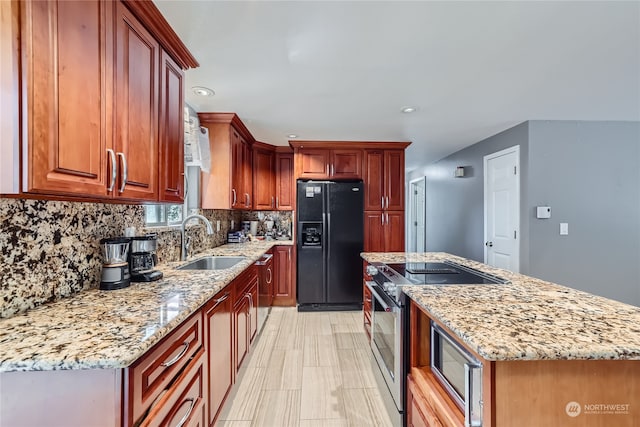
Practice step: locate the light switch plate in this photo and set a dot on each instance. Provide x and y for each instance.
(564, 228)
(543, 212)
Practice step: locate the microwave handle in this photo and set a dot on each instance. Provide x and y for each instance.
(473, 403)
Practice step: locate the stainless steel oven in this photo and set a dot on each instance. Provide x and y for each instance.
(387, 342)
(459, 372)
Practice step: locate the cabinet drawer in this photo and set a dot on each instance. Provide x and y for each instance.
(243, 282)
(184, 403)
(153, 372)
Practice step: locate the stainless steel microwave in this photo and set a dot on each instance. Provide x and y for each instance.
(459, 372)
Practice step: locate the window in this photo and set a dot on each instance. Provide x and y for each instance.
(159, 215)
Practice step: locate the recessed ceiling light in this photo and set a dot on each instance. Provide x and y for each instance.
(408, 109)
(202, 91)
(292, 136)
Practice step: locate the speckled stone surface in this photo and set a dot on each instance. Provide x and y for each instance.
(111, 329)
(528, 319)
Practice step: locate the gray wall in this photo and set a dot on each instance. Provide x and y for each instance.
(588, 172)
(455, 206)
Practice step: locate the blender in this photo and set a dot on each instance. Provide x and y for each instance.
(115, 268)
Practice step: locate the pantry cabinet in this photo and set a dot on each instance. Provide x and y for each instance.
(384, 180)
(384, 231)
(97, 84)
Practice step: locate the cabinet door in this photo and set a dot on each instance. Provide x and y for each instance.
(237, 198)
(284, 266)
(373, 179)
(394, 231)
(171, 144)
(263, 180)
(253, 309)
(219, 341)
(346, 164)
(242, 323)
(314, 163)
(247, 175)
(394, 179)
(136, 106)
(66, 58)
(285, 197)
(419, 413)
(374, 240)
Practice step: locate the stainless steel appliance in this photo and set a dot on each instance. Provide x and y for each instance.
(265, 288)
(143, 258)
(390, 320)
(115, 267)
(459, 372)
(330, 237)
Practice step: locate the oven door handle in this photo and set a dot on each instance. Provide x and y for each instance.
(379, 298)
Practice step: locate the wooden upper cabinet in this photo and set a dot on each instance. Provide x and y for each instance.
(171, 143)
(314, 163)
(285, 193)
(264, 185)
(346, 164)
(94, 76)
(136, 80)
(66, 59)
(374, 179)
(229, 185)
(384, 179)
(394, 179)
(323, 163)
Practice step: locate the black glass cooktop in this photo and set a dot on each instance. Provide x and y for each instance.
(433, 273)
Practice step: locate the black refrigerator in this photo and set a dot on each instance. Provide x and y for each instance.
(330, 230)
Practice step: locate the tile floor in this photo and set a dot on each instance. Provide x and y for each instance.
(307, 370)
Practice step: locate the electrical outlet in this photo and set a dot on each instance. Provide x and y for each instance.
(233, 224)
(564, 228)
(218, 225)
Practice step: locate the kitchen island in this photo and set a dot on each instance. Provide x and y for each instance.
(91, 347)
(551, 355)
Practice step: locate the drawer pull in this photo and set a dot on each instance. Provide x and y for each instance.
(178, 356)
(220, 300)
(185, 417)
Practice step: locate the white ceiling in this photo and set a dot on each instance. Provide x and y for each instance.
(337, 70)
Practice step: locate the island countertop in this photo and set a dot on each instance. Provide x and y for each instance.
(527, 319)
(111, 329)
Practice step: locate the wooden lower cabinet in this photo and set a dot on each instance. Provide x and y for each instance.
(218, 320)
(366, 310)
(185, 403)
(384, 231)
(285, 274)
(524, 393)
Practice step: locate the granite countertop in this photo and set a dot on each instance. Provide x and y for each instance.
(528, 319)
(111, 329)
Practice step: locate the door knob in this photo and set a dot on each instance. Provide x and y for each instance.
(489, 244)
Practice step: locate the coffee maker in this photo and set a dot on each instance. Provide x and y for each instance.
(115, 268)
(143, 258)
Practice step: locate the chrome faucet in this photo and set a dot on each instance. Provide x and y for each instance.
(186, 243)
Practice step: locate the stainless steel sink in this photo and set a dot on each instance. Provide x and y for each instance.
(212, 263)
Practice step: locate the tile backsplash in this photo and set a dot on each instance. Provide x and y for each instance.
(51, 249)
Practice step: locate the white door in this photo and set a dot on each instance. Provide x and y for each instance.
(502, 209)
(417, 215)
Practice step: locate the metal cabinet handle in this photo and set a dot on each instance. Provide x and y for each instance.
(125, 171)
(178, 356)
(186, 416)
(247, 200)
(270, 275)
(220, 300)
(327, 169)
(273, 205)
(381, 219)
(277, 205)
(382, 202)
(233, 203)
(112, 155)
(333, 169)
